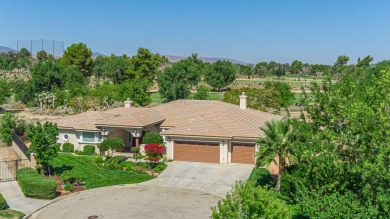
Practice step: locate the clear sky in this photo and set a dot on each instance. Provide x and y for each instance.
(313, 31)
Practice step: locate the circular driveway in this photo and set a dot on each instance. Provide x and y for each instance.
(132, 202)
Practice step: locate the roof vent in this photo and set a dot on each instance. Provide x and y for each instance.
(188, 129)
(207, 130)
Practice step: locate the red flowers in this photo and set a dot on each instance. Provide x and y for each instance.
(154, 152)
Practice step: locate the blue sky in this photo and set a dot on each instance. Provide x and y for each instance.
(313, 31)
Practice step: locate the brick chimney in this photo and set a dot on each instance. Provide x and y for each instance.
(243, 101)
(128, 103)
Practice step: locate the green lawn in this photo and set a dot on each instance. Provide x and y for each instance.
(12, 214)
(94, 177)
(156, 97)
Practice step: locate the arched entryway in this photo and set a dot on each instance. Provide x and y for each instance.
(125, 135)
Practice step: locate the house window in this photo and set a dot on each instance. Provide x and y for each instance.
(66, 137)
(88, 137)
(100, 137)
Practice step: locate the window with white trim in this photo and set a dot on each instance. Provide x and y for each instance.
(88, 136)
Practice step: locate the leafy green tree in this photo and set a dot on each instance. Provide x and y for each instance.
(339, 64)
(42, 55)
(9, 123)
(261, 69)
(259, 99)
(244, 70)
(277, 146)
(202, 92)
(145, 66)
(176, 81)
(43, 139)
(111, 144)
(297, 67)
(220, 74)
(115, 68)
(24, 53)
(364, 62)
(137, 91)
(248, 201)
(5, 88)
(286, 95)
(78, 56)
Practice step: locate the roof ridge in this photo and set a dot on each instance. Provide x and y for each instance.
(223, 130)
(225, 113)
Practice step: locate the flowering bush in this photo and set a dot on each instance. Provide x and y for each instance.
(154, 152)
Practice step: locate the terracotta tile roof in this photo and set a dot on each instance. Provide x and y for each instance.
(132, 117)
(180, 111)
(183, 117)
(205, 118)
(82, 121)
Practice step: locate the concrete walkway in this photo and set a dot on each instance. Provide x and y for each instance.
(216, 179)
(17, 201)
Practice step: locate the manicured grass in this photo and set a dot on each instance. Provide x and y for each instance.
(12, 214)
(156, 98)
(94, 177)
(215, 96)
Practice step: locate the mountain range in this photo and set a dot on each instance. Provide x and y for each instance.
(170, 58)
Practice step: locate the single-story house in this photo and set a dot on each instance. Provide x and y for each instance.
(193, 130)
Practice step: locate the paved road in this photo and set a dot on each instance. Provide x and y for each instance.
(133, 202)
(183, 190)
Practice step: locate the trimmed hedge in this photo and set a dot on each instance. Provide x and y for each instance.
(34, 185)
(3, 203)
(67, 147)
(89, 150)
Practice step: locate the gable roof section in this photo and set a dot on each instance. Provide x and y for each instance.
(132, 117)
(235, 122)
(178, 112)
(82, 121)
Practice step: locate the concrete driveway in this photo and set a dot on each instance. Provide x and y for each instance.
(183, 190)
(216, 179)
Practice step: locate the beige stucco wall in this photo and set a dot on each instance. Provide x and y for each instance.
(74, 139)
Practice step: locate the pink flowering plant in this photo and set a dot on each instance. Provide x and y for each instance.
(154, 153)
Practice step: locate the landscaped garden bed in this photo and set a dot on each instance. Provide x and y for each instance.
(84, 169)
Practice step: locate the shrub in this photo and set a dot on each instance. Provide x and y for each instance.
(152, 138)
(78, 152)
(250, 201)
(135, 150)
(68, 147)
(99, 159)
(34, 185)
(67, 176)
(3, 203)
(57, 146)
(128, 165)
(89, 150)
(160, 167)
(112, 144)
(154, 153)
(68, 186)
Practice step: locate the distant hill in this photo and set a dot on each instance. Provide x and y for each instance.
(4, 49)
(208, 60)
(96, 54)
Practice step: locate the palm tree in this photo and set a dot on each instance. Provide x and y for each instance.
(277, 143)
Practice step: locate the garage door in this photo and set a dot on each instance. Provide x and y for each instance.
(243, 153)
(206, 152)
